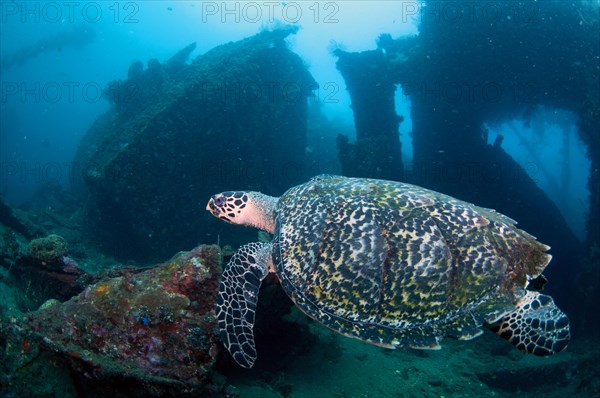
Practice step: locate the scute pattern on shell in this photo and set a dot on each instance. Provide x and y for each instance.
(396, 264)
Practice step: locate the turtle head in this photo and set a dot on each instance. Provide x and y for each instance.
(229, 206)
(245, 208)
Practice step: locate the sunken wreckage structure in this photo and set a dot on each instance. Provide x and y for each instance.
(179, 132)
(443, 79)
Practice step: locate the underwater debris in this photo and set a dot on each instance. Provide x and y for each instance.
(51, 271)
(13, 220)
(9, 248)
(42, 270)
(48, 252)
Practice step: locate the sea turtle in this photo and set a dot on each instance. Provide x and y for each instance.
(388, 263)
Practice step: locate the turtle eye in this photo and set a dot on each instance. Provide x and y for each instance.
(220, 201)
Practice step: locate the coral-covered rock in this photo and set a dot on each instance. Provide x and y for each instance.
(156, 326)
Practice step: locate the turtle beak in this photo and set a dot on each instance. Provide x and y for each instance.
(216, 205)
(210, 206)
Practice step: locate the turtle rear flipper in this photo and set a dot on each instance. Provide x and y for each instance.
(536, 326)
(237, 300)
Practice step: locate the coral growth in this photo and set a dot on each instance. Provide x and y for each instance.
(48, 252)
(157, 326)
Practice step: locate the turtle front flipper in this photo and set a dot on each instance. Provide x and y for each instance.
(536, 326)
(237, 300)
